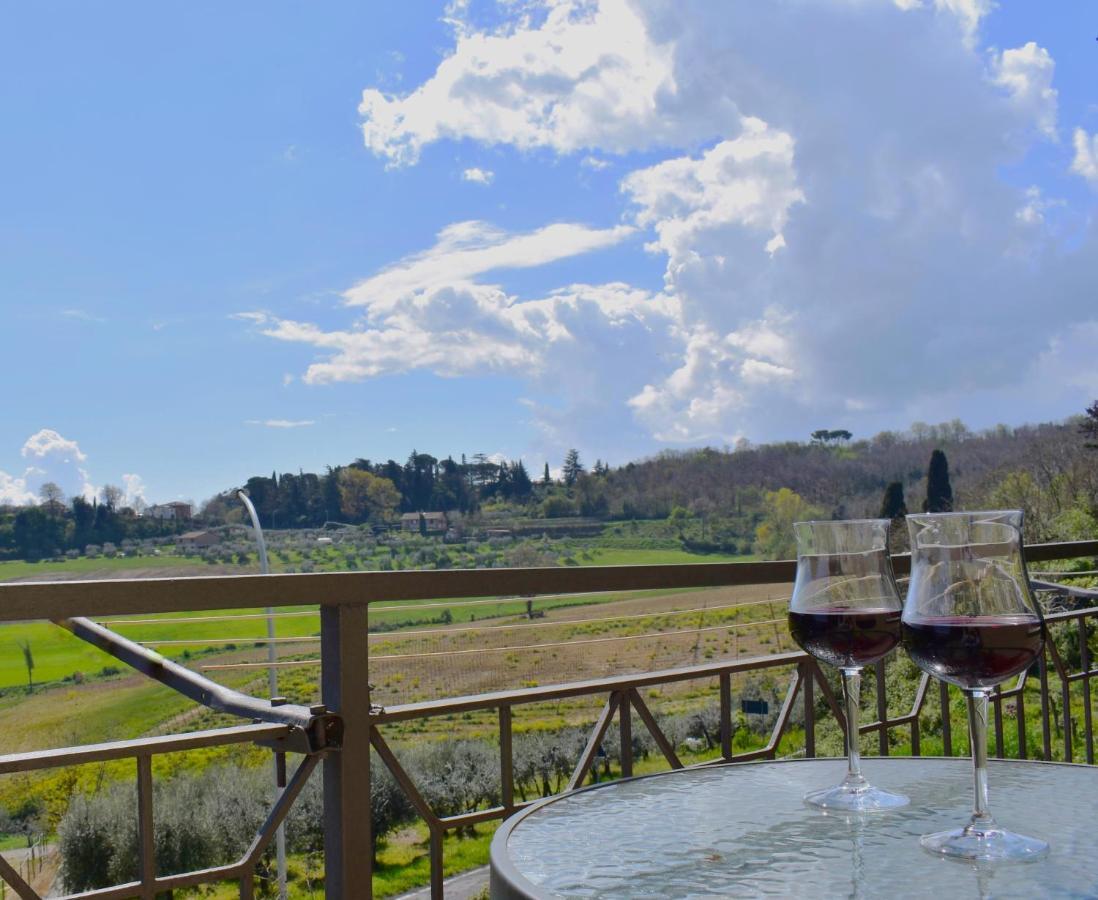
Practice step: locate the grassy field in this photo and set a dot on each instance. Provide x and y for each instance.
(611, 556)
(102, 567)
(57, 655)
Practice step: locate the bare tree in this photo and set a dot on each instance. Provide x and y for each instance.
(53, 498)
(112, 496)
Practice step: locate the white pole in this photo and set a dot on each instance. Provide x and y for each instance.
(272, 680)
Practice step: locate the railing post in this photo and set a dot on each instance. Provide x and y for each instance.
(882, 707)
(947, 729)
(725, 679)
(506, 760)
(1020, 718)
(146, 841)
(625, 730)
(345, 690)
(1084, 661)
(809, 710)
(997, 704)
(1046, 732)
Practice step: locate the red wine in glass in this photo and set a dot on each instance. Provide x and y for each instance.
(845, 611)
(970, 619)
(973, 653)
(846, 638)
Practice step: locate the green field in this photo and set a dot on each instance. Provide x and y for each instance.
(82, 567)
(59, 655)
(615, 557)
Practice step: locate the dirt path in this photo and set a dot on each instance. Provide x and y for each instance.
(465, 886)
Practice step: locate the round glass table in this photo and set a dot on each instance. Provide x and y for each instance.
(741, 830)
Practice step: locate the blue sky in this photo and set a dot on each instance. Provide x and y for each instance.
(611, 225)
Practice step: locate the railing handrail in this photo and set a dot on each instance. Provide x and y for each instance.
(165, 743)
(61, 599)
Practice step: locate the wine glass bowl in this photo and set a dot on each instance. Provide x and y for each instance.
(971, 620)
(845, 611)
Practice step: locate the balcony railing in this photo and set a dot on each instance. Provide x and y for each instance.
(339, 733)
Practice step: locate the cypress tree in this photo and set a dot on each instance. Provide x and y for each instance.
(939, 493)
(892, 504)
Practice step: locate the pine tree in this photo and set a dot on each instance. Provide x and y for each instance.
(1089, 426)
(939, 493)
(892, 504)
(573, 468)
(545, 479)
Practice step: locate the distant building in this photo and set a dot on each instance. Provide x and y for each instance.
(435, 522)
(176, 512)
(196, 540)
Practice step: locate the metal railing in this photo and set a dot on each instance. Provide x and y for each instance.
(340, 733)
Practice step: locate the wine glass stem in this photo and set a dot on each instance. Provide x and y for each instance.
(977, 731)
(852, 690)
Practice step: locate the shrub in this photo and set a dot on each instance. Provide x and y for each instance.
(202, 820)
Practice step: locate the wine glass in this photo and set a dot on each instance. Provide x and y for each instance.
(970, 619)
(845, 611)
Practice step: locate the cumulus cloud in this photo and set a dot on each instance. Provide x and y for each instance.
(478, 176)
(588, 76)
(1026, 73)
(463, 328)
(749, 181)
(822, 180)
(49, 457)
(592, 75)
(1085, 162)
(48, 444)
(14, 492)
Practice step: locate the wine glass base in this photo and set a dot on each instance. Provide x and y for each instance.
(864, 798)
(986, 844)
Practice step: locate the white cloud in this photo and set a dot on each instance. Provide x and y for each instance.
(478, 176)
(1032, 211)
(281, 423)
(1085, 162)
(588, 76)
(133, 490)
(13, 491)
(1026, 74)
(749, 181)
(467, 249)
(49, 457)
(47, 443)
(824, 188)
(593, 74)
(465, 328)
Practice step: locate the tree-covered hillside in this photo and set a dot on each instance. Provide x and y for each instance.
(732, 500)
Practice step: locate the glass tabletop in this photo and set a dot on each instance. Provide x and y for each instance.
(741, 830)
